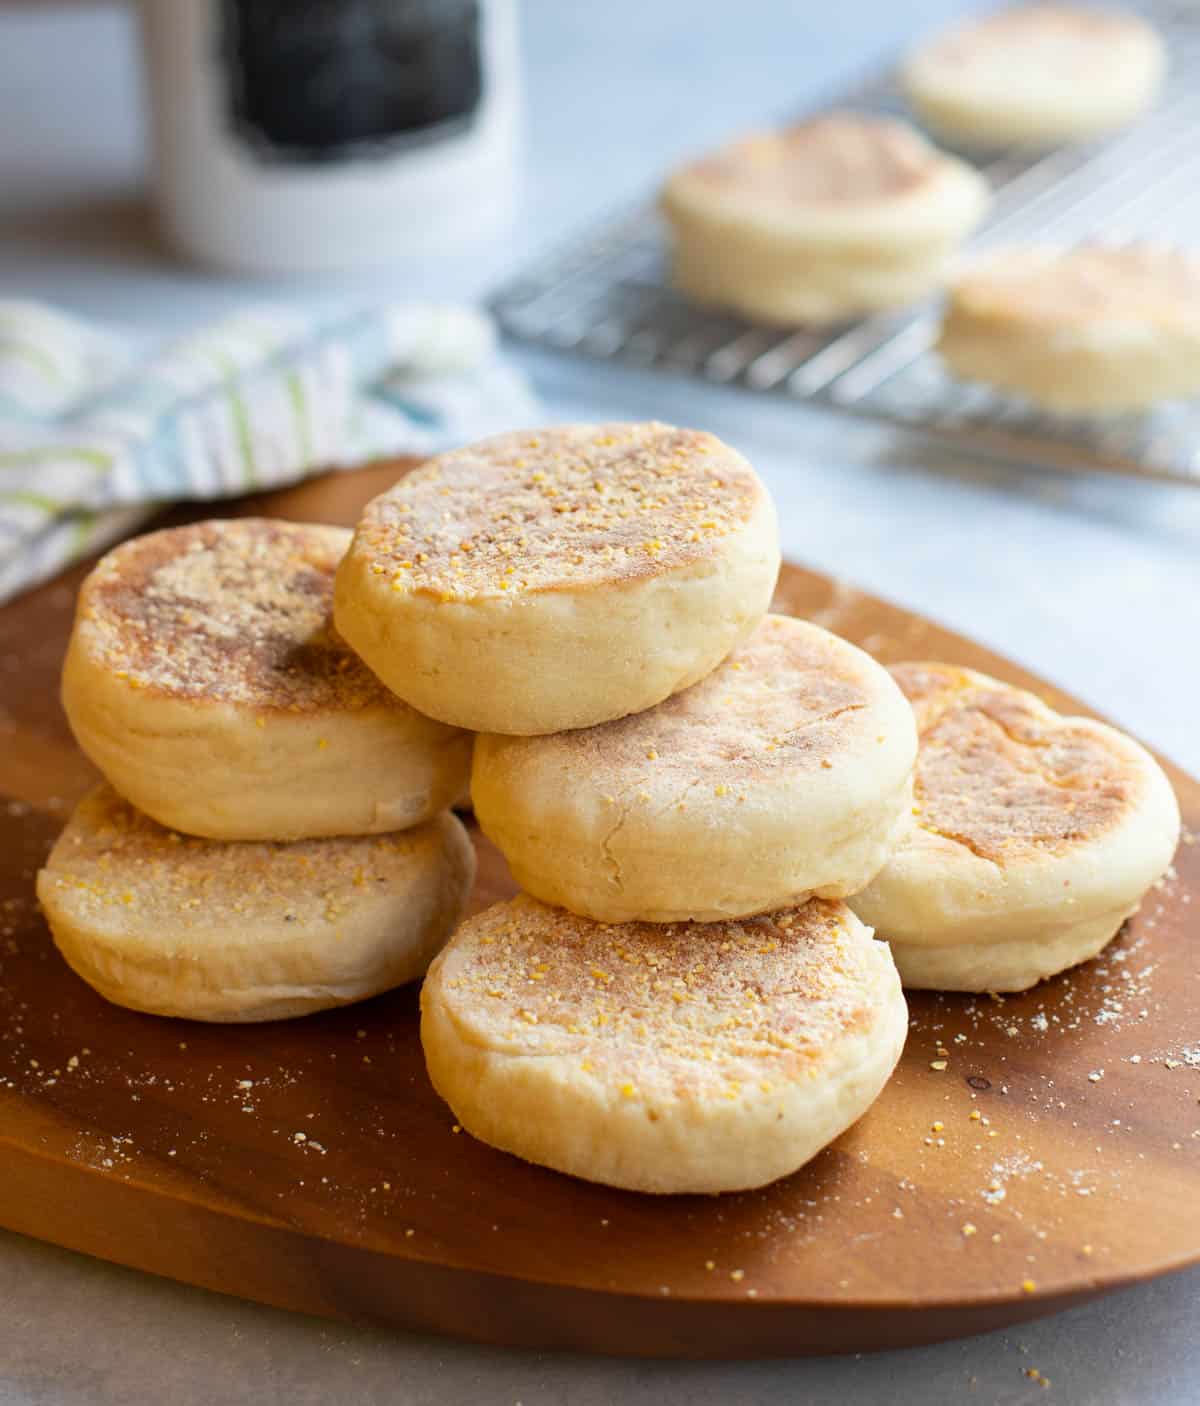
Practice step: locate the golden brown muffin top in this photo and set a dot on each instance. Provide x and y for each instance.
(575, 506)
(115, 868)
(837, 158)
(227, 611)
(1138, 284)
(664, 1009)
(792, 700)
(1004, 775)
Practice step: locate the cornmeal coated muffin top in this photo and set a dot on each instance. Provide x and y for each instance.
(114, 868)
(562, 509)
(233, 611)
(665, 1058)
(245, 931)
(1035, 836)
(1001, 774)
(784, 772)
(791, 699)
(664, 1009)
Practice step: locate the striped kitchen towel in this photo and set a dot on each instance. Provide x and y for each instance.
(93, 440)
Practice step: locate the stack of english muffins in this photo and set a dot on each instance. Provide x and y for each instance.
(709, 808)
(273, 837)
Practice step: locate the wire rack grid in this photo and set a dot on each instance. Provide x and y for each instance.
(607, 295)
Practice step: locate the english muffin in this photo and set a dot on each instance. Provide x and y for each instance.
(178, 926)
(1036, 75)
(206, 681)
(838, 216)
(559, 578)
(678, 1058)
(1090, 329)
(1034, 837)
(781, 775)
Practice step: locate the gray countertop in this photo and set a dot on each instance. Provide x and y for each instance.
(1093, 583)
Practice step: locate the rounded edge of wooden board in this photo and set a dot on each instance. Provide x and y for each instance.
(331, 1279)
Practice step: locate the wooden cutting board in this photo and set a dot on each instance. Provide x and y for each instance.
(310, 1165)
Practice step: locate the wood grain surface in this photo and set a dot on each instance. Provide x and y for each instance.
(309, 1164)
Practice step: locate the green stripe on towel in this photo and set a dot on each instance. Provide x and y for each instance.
(299, 401)
(241, 422)
(44, 454)
(51, 506)
(35, 356)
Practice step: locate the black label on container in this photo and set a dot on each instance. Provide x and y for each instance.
(340, 80)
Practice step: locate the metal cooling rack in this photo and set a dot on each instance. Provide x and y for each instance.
(606, 295)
